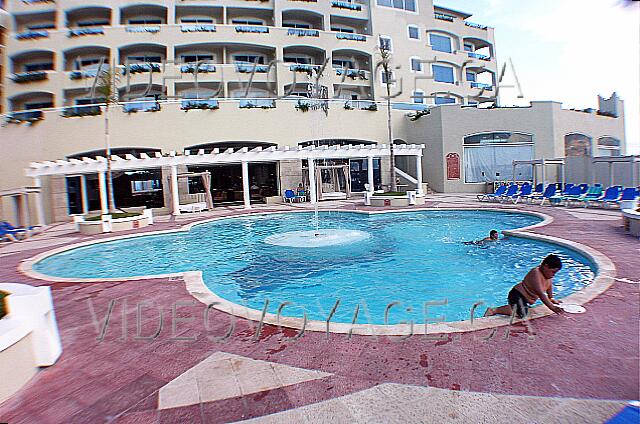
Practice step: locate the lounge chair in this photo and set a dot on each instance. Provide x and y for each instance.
(549, 192)
(611, 194)
(628, 194)
(490, 196)
(592, 193)
(28, 230)
(513, 189)
(525, 191)
(289, 196)
(12, 235)
(574, 193)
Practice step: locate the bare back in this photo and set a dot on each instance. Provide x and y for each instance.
(532, 285)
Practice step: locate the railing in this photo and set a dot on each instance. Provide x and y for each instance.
(257, 103)
(27, 116)
(205, 104)
(90, 73)
(250, 28)
(73, 111)
(23, 77)
(143, 106)
(487, 87)
(248, 68)
(202, 68)
(32, 35)
(349, 36)
(478, 56)
(361, 104)
(303, 32)
(137, 68)
(443, 17)
(346, 5)
(78, 32)
(300, 67)
(352, 73)
(144, 28)
(198, 28)
(473, 25)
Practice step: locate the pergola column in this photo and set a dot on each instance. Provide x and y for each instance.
(102, 182)
(24, 210)
(83, 191)
(39, 205)
(246, 193)
(312, 180)
(175, 196)
(419, 174)
(370, 173)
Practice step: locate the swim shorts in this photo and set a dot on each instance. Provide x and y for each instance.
(518, 302)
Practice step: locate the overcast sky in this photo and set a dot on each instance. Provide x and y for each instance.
(567, 50)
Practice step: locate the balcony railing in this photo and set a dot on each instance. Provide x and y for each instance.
(257, 103)
(137, 68)
(198, 28)
(349, 36)
(89, 73)
(203, 68)
(249, 67)
(27, 116)
(478, 56)
(144, 28)
(78, 32)
(444, 17)
(23, 77)
(352, 73)
(141, 106)
(303, 32)
(74, 111)
(250, 28)
(482, 85)
(32, 35)
(409, 106)
(346, 5)
(473, 25)
(361, 104)
(205, 104)
(301, 67)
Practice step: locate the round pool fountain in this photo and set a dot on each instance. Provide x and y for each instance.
(317, 238)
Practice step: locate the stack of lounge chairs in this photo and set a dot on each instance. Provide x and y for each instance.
(584, 195)
(10, 233)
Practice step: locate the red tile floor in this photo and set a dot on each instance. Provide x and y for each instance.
(592, 355)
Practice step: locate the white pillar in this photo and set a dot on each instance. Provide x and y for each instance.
(83, 191)
(39, 206)
(245, 185)
(370, 173)
(312, 180)
(419, 174)
(102, 181)
(175, 196)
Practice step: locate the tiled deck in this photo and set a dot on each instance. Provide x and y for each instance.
(314, 379)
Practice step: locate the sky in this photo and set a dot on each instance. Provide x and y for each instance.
(567, 50)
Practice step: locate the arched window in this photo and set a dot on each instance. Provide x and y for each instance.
(608, 146)
(577, 145)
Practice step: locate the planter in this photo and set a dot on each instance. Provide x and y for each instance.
(631, 221)
(109, 225)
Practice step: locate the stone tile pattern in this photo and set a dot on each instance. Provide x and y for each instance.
(592, 356)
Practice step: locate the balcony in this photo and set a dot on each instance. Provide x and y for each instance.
(346, 5)
(27, 116)
(483, 86)
(32, 35)
(141, 105)
(349, 36)
(361, 105)
(24, 77)
(252, 29)
(352, 73)
(197, 28)
(478, 56)
(303, 32)
(247, 68)
(152, 29)
(78, 111)
(444, 17)
(202, 104)
(79, 32)
(192, 68)
(143, 15)
(139, 68)
(473, 25)
(92, 17)
(257, 104)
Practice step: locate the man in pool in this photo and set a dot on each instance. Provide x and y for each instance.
(537, 284)
(493, 236)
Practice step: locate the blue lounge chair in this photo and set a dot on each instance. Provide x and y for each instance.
(12, 235)
(549, 192)
(513, 189)
(488, 197)
(574, 193)
(524, 192)
(289, 196)
(592, 193)
(28, 230)
(628, 194)
(611, 194)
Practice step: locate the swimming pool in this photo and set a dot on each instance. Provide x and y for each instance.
(408, 257)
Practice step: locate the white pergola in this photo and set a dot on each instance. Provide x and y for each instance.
(632, 160)
(243, 156)
(542, 163)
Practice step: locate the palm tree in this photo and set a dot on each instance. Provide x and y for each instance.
(106, 87)
(385, 63)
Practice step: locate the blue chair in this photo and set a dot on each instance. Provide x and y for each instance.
(6, 225)
(301, 196)
(488, 197)
(592, 193)
(611, 194)
(513, 189)
(12, 235)
(549, 192)
(289, 196)
(524, 193)
(628, 194)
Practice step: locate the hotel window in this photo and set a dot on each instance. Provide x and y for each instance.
(418, 97)
(440, 43)
(39, 105)
(342, 29)
(192, 58)
(471, 76)
(384, 77)
(489, 156)
(300, 60)
(144, 59)
(443, 74)
(468, 47)
(145, 21)
(416, 64)
(296, 25)
(440, 100)
(102, 22)
(608, 146)
(385, 43)
(414, 32)
(246, 22)
(342, 63)
(33, 67)
(196, 21)
(248, 58)
(409, 5)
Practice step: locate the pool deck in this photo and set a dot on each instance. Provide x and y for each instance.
(569, 368)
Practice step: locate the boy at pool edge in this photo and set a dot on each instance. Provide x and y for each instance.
(493, 236)
(537, 284)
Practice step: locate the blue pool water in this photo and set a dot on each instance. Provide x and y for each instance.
(409, 257)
